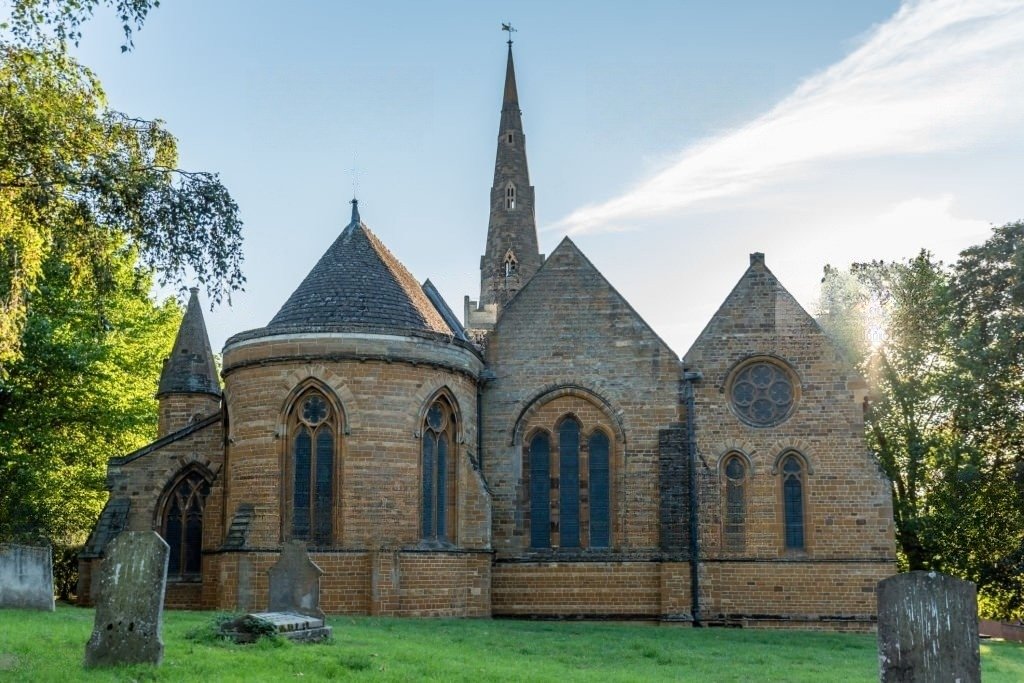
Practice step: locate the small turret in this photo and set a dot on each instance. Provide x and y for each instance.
(189, 388)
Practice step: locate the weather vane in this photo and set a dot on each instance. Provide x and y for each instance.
(508, 27)
(355, 177)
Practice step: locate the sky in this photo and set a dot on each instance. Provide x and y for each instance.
(669, 139)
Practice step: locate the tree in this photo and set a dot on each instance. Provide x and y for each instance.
(942, 349)
(87, 181)
(81, 390)
(31, 21)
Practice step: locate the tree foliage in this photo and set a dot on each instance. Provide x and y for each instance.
(81, 391)
(35, 22)
(88, 183)
(943, 350)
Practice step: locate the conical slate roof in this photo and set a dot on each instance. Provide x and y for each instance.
(190, 368)
(358, 285)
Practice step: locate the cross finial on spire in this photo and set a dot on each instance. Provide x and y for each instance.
(508, 27)
(355, 211)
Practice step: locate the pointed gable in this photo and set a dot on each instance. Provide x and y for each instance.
(358, 285)
(190, 369)
(758, 311)
(569, 292)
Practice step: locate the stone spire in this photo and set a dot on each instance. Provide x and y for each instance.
(511, 257)
(190, 368)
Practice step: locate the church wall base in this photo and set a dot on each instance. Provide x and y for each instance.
(803, 594)
(421, 583)
(612, 590)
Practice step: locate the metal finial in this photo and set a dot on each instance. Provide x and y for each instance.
(355, 177)
(508, 27)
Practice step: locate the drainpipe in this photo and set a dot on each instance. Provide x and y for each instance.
(689, 378)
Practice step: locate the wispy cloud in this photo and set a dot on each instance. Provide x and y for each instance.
(939, 75)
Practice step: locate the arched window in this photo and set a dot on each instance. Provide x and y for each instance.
(735, 516)
(793, 502)
(567, 475)
(540, 490)
(600, 490)
(569, 484)
(438, 466)
(182, 525)
(510, 196)
(311, 464)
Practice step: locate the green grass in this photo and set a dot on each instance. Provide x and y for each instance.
(37, 646)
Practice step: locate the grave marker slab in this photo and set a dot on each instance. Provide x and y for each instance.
(130, 604)
(26, 577)
(295, 582)
(928, 629)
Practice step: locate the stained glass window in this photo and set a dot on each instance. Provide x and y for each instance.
(735, 503)
(438, 472)
(540, 491)
(762, 393)
(569, 473)
(182, 526)
(311, 463)
(793, 502)
(600, 499)
(569, 484)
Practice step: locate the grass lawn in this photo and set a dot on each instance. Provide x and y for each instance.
(38, 646)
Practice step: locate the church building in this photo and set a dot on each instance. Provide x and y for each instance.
(547, 456)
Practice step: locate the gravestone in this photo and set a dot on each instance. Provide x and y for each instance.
(130, 604)
(928, 629)
(26, 577)
(293, 610)
(295, 582)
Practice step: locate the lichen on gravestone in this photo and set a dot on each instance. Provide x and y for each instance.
(130, 602)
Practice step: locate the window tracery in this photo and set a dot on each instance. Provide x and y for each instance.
(438, 466)
(312, 448)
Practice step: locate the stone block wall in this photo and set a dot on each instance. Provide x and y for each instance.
(569, 343)
(381, 582)
(848, 524)
(807, 594)
(383, 386)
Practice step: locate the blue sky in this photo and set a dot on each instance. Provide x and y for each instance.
(669, 139)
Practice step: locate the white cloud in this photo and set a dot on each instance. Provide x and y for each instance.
(939, 75)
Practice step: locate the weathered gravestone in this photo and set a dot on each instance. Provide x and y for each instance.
(295, 582)
(293, 610)
(928, 629)
(26, 577)
(130, 604)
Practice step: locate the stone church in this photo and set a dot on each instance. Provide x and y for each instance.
(549, 456)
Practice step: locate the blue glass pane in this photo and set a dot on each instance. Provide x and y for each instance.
(314, 410)
(324, 485)
(442, 486)
(794, 510)
(540, 492)
(300, 491)
(600, 501)
(428, 485)
(569, 484)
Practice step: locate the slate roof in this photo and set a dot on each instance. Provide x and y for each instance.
(112, 522)
(190, 368)
(358, 286)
